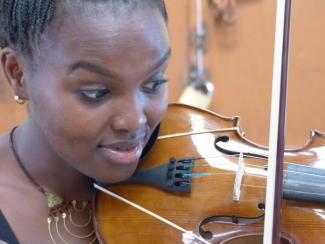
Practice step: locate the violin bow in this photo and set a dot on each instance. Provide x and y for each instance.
(277, 124)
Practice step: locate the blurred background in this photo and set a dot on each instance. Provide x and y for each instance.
(234, 48)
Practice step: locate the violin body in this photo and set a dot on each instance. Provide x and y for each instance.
(189, 178)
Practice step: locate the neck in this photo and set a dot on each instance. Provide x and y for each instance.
(47, 168)
(304, 183)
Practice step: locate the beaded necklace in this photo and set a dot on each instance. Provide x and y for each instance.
(59, 210)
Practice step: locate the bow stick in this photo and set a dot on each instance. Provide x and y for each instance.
(277, 124)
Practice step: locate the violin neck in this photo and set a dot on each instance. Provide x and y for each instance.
(304, 184)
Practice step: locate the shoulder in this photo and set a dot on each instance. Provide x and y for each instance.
(6, 233)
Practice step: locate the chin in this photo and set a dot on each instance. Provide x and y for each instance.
(118, 177)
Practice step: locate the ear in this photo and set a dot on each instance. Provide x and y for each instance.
(13, 70)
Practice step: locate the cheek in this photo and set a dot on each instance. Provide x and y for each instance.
(56, 109)
(73, 124)
(157, 109)
(63, 120)
(71, 134)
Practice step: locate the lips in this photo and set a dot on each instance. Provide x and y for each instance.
(123, 153)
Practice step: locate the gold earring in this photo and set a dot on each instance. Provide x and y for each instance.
(19, 100)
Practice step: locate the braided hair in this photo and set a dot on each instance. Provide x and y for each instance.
(23, 21)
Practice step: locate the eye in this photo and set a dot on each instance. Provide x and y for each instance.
(94, 95)
(153, 86)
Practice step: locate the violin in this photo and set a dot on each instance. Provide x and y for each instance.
(202, 174)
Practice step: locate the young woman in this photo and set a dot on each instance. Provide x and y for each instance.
(93, 75)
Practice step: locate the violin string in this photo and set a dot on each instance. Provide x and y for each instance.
(246, 156)
(264, 187)
(257, 176)
(191, 133)
(203, 164)
(309, 193)
(204, 174)
(197, 175)
(251, 165)
(243, 185)
(254, 186)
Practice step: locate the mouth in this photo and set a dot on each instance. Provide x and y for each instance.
(123, 153)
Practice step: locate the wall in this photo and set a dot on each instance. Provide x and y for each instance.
(239, 60)
(240, 63)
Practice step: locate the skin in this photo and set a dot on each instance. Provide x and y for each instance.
(120, 59)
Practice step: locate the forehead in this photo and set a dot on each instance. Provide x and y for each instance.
(102, 35)
(102, 29)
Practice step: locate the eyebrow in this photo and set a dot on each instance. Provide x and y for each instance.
(162, 60)
(95, 68)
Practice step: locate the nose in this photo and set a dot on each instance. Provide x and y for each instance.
(130, 117)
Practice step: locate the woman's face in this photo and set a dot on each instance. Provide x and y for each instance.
(98, 90)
